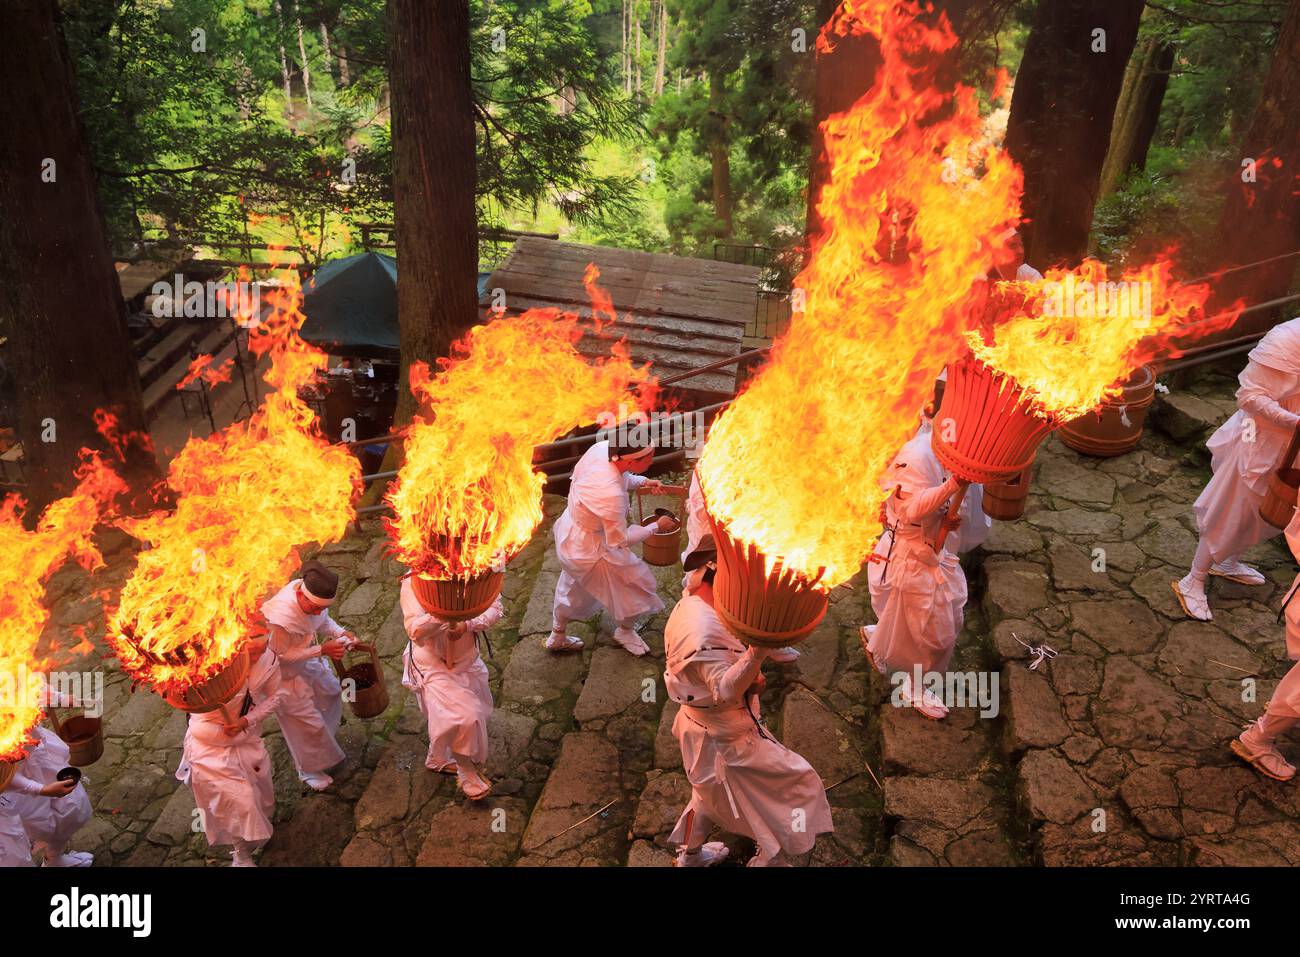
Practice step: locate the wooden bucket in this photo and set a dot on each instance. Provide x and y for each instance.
(368, 679)
(768, 609)
(7, 771)
(661, 548)
(1005, 501)
(457, 600)
(1115, 427)
(211, 694)
(84, 737)
(1283, 486)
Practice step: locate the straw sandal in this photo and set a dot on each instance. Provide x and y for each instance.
(449, 768)
(1241, 573)
(569, 644)
(1269, 763)
(864, 636)
(1182, 600)
(476, 794)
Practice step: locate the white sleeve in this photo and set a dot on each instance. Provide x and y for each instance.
(920, 504)
(331, 627)
(288, 648)
(273, 694)
(22, 784)
(1257, 396)
(729, 684)
(617, 533)
(486, 620)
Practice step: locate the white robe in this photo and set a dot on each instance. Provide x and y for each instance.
(697, 519)
(923, 593)
(593, 541)
(744, 781)
(449, 679)
(15, 848)
(50, 822)
(1227, 510)
(232, 777)
(973, 532)
(312, 708)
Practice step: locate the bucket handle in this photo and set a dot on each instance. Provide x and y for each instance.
(1288, 459)
(359, 646)
(640, 502)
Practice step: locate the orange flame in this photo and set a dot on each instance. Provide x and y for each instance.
(201, 367)
(467, 496)
(27, 560)
(1071, 339)
(247, 498)
(793, 465)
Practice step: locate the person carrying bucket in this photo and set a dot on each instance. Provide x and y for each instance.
(443, 667)
(742, 779)
(49, 807)
(225, 763)
(593, 540)
(312, 707)
(1243, 453)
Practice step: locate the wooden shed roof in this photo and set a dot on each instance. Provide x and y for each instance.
(675, 312)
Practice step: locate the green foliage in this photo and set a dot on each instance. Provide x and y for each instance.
(1173, 203)
(527, 61)
(1222, 52)
(762, 115)
(193, 135)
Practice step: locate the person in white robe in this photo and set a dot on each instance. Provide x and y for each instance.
(15, 847)
(742, 779)
(443, 667)
(924, 591)
(312, 707)
(226, 765)
(971, 533)
(50, 811)
(1257, 745)
(1243, 452)
(594, 539)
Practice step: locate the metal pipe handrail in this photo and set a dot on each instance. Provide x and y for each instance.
(1220, 273)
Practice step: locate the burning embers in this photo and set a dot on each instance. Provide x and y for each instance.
(27, 559)
(467, 497)
(247, 498)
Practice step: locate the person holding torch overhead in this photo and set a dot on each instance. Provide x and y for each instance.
(742, 779)
(225, 763)
(920, 621)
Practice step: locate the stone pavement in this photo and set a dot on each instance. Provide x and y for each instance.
(1114, 752)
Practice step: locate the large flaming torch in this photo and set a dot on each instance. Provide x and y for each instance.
(247, 498)
(27, 560)
(467, 497)
(1051, 351)
(791, 471)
